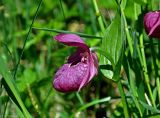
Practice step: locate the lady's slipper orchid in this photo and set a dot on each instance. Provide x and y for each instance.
(80, 68)
(152, 24)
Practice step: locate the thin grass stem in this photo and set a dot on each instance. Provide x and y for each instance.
(125, 108)
(155, 64)
(63, 31)
(79, 98)
(158, 80)
(5, 108)
(154, 58)
(158, 88)
(145, 71)
(27, 36)
(60, 2)
(94, 102)
(129, 39)
(99, 17)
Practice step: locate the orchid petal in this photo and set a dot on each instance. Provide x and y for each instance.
(71, 40)
(93, 65)
(81, 67)
(76, 56)
(152, 24)
(68, 78)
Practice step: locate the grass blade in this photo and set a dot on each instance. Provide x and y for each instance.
(69, 32)
(25, 41)
(91, 104)
(11, 84)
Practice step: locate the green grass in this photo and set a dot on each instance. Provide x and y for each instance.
(127, 84)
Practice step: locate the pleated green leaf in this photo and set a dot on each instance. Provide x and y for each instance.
(112, 45)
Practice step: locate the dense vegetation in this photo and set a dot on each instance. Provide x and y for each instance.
(127, 84)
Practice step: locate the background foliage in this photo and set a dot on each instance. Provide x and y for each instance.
(129, 62)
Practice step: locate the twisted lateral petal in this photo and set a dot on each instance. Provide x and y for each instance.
(93, 66)
(71, 40)
(152, 24)
(95, 58)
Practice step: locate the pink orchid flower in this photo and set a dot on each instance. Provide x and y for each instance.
(80, 68)
(152, 24)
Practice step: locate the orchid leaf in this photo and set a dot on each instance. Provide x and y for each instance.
(112, 45)
(112, 42)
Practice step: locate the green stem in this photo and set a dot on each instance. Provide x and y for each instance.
(155, 63)
(25, 41)
(129, 39)
(99, 17)
(158, 80)
(154, 58)
(94, 102)
(69, 32)
(79, 98)
(158, 88)
(33, 100)
(125, 109)
(101, 24)
(5, 108)
(60, 2)
(145, 71)
(159, 53)
(139, 54)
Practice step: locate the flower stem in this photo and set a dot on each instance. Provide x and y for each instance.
(158, 88)
(129, 39)
(102, 27)
(79, 98)
(158, 79)
(125, 109)
(99, 17)
(154, 58)
(145, 71)
(155, 63)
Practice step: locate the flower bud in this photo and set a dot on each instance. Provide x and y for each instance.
(152, 24)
